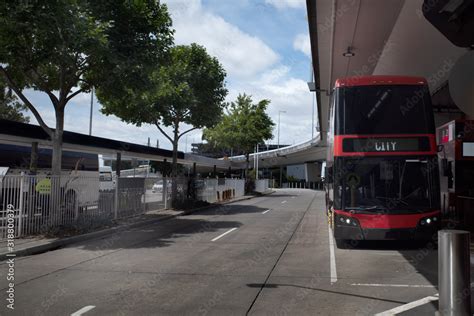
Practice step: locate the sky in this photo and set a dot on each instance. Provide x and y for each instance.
(262, 44)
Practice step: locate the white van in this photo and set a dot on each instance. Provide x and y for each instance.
(79, 175)
(106, 178)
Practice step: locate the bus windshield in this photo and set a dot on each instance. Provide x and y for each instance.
(383, 109)
(389, 185)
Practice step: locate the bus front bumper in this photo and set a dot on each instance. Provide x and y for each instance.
(356, 233)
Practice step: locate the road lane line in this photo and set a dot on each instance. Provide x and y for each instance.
(83, 310)
(265, 212)
(408, 306)
(265, 282)
(392, 285)
(332, 257)
(283, 202)
(293, 197)
(222, 235)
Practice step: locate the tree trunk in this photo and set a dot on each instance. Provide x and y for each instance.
(247, 160)
(57, 140)
(174, 168)
(56, 167)
(246, 175)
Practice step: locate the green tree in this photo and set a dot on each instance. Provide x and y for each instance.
(10, 108)
(188, 89)
(66, 47)
(244, 126)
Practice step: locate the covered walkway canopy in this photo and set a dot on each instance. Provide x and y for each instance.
(305, 152)
(16, 133)
(373, 37)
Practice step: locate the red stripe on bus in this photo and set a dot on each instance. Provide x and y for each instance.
(384, 221)
(338, 151)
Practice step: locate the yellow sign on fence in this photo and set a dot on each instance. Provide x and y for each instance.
(44, 186)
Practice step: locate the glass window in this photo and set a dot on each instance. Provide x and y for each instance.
(105, 176)
(384, 110)
(389, 185)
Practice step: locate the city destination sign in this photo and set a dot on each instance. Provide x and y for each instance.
(378, 144)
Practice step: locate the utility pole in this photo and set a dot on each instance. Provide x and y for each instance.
(279, 112)
(312, 117)
(92, 106)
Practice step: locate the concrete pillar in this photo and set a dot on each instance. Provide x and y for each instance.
(281, 176)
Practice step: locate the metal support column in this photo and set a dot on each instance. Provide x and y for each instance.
(454, 273)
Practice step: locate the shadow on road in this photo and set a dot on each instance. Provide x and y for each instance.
(189, 229)
(230, 209)
(161, 234)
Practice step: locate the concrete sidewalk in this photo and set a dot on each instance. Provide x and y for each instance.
(39, 244)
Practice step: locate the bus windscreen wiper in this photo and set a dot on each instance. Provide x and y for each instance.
(367, 208)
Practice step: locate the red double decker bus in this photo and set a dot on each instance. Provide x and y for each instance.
(382, 177)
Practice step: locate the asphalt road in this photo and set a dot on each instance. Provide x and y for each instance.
(268, 255)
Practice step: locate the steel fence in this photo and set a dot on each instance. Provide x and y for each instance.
(318, 185)
(37, 204)
(206, 190)
(261, 185)
(40, 204)
(237, 185)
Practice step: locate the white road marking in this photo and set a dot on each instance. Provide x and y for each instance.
(408, 306)
(265, 212)
(83, 310)
(283, 202)
(222, 235)
(392, 285)
(332, 257)
(293, 197)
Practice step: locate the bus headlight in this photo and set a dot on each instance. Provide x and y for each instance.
(347, 221)
(428, 221)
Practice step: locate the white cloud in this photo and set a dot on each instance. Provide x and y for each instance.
(302, 44)
(283, 4)
(253, 66)
(241, 54)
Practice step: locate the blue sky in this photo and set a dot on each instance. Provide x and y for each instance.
(262, 44)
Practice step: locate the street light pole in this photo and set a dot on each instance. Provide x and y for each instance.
(279, 112)
(312, 119)
(186, 146)
(92, 106)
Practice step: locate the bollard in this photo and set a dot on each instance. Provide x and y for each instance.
(454, 273)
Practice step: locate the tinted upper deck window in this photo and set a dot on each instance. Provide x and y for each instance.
(384, 109)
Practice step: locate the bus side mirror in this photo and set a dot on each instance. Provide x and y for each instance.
(440, 148)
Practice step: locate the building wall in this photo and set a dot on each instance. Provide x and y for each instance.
(297, 171)
(313, 171)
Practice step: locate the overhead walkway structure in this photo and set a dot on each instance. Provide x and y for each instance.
(305, 152)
